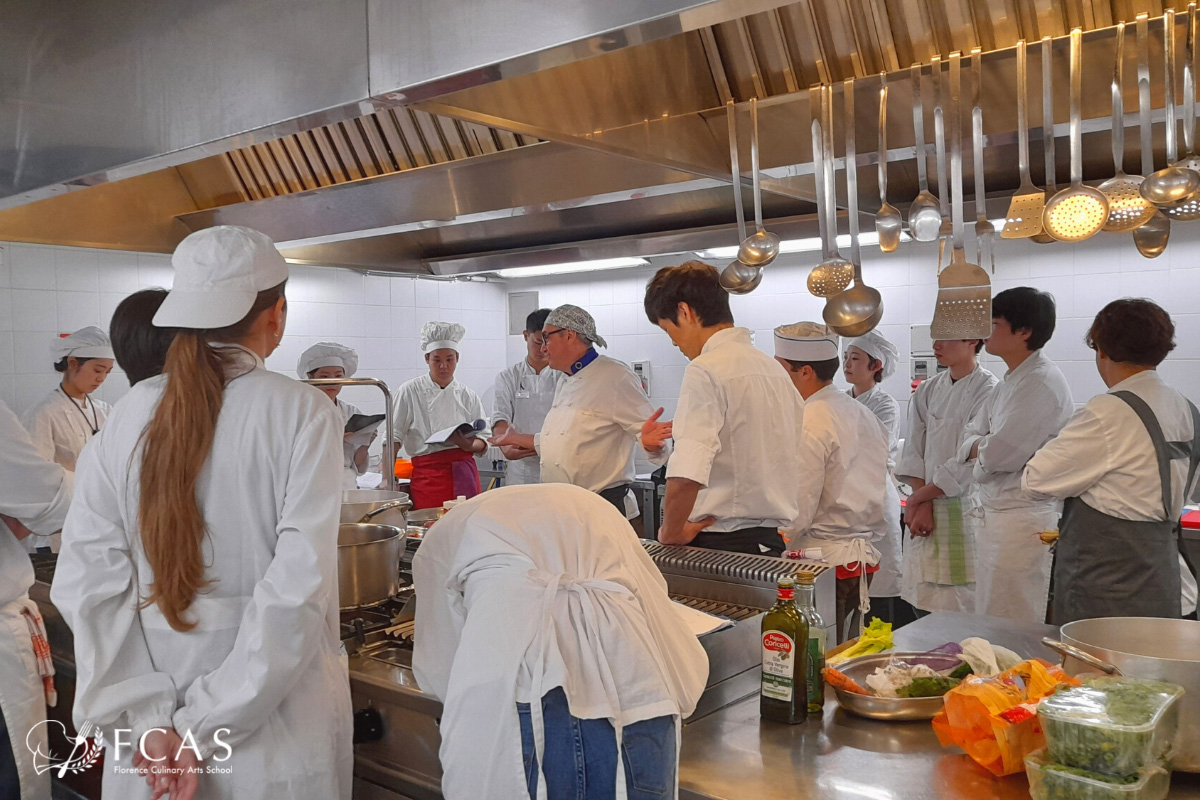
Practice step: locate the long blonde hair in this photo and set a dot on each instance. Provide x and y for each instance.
(176, 445)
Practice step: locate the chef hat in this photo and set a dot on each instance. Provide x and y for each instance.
(327, 354)
(574, 318)
(878, 348)
(219, 272)
(90, 342)
(806, 341)
(441, 336)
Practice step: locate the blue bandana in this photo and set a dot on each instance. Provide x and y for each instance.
(587, 358)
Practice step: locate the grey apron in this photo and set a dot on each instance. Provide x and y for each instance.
(1109, 567)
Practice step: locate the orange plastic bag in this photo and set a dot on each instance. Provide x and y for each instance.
(404, 468)
(995, 719)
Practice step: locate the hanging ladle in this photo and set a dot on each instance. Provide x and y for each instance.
(738, 278)
(1174, 183)
(857, 310)
(1189, 209)
(924, 213)
(762, 246)
(888, 222)
(1151, 237)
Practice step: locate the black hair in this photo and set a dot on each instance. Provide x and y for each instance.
(1027, 309)
(61, 364)
(694, 283)
(825, 370)
(536, 320)
(139, 346)
(1134, 331)
(978, 345)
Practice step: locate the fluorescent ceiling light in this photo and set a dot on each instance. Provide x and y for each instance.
(572, 266)
(808, 245)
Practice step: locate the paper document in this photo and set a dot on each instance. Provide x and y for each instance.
(465, 428)
(700, 623)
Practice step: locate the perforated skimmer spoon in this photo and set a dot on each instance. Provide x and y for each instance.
(1078, 212)
(1127, 209)
(834, 273)
(1042, 236)
(1189, 209)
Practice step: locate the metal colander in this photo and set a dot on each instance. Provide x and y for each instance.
(1127, 209)
(1075, 214)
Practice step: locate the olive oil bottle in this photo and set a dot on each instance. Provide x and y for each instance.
(784, 696)
(815, 657)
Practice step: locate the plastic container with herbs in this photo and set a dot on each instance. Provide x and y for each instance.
(1049, 781)
(1114, 726)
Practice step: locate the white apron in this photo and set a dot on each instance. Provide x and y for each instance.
(889, 579)
(22, 698)
(1012, 566)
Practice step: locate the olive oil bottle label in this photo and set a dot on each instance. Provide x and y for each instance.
(778, 653)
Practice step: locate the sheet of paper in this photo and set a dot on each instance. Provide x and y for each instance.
(700, 623)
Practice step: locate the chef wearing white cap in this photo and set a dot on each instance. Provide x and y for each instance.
(869, 360)
(67, 418)
(199, 563)
(843, 467)
(333, 360)
(434, 402)
(600, 413)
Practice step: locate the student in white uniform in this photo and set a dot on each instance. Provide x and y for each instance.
(199, 566)
(67, 418)
(868, 361)
(62, 423)
(600, 413)
(731, 481)
(1123, 464)
(1029, 407)
(139, 345)
(34, 497)
(432, 403)
(843, 469)
(524, 394)
(547, 633)
(333, 360)
(943, 514)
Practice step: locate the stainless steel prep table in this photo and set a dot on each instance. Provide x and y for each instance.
(732, 754)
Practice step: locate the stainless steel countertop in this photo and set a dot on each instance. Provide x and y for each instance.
(733, 754)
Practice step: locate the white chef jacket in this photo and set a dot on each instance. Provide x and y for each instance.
(265, 659)
(1029, 407)
(887, 580)
(737, 434)
(596, 421)
(523, 399)
(60, 426)
(422, 408)
(350, 471)
(937, 418)
(843, 470)
(528, 588)
(1012, 566)
(37, 492)
(1105, 457)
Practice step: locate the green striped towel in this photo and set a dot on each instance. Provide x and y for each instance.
(949, 554)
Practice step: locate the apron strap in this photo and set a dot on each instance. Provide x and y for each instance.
(1162, 449)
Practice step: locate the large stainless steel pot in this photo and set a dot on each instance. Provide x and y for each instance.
(1143, 647)
(378, 506)
(368, 563)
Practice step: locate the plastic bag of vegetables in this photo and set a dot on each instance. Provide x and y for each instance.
(995, 719)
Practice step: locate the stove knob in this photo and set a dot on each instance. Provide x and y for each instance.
(368, 726)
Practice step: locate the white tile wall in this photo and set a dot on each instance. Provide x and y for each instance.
(1082, 278)
(49, 290)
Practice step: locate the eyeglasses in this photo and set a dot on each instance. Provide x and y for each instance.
(547, 334)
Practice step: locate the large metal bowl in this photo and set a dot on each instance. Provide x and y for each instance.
(377, 506)
(889, 709)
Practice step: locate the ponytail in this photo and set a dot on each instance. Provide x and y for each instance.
(176, 446)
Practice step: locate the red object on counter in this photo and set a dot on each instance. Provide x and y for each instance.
(1191, 520)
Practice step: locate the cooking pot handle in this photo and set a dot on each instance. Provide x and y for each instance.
(388, 506)
(1064, 649)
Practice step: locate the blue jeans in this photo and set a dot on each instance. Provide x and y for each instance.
(581, 754)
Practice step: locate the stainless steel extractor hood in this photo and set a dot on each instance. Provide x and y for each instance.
(422, 136)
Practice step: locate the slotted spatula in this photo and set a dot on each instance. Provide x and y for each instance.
(964, 298)
(1024, 218)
